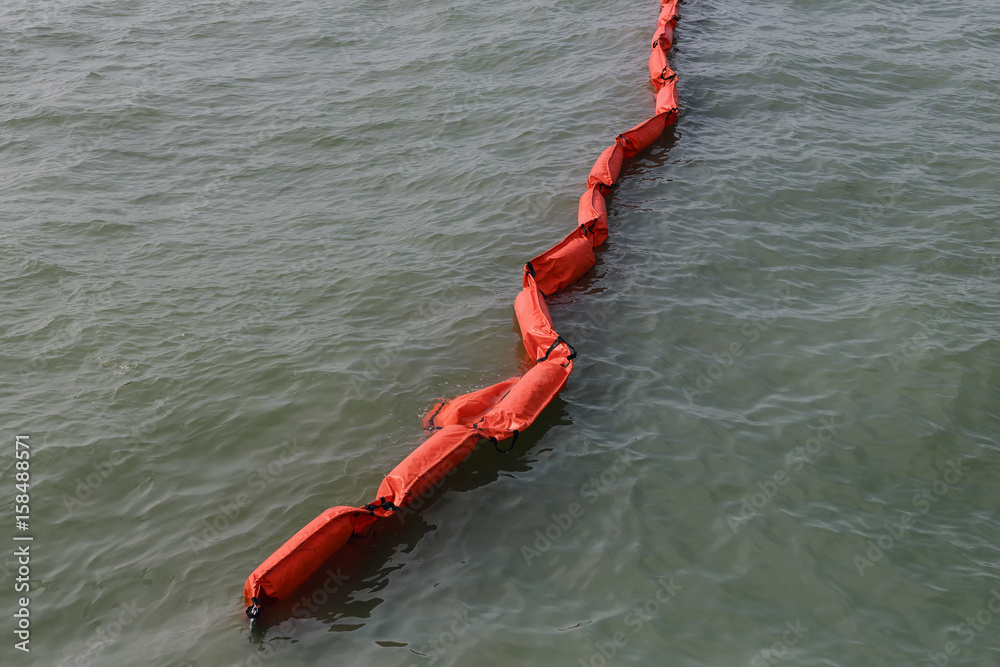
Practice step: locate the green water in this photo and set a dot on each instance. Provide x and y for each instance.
(246, 245)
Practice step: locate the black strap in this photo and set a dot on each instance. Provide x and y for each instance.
(559, 339)
(253, 611)
(667, 78)
(496, 443)
(381, 504)
(529, 269)
(430, 421)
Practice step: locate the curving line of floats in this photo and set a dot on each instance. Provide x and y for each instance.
(501, 411)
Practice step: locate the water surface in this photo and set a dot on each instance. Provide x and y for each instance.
(246, 245)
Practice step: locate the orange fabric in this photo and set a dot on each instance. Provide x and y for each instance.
(563, 264)
(657, 67)
(505, 409)
(468, 408)
(428, 464)
(593, 214)
(642, 136)
(605, 171)
(523, 403)
(535, 321)
(663, 38)
(296, 560)
(666, 99)
(666, 23)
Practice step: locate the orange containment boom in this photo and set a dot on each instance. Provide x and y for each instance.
(505, 409)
